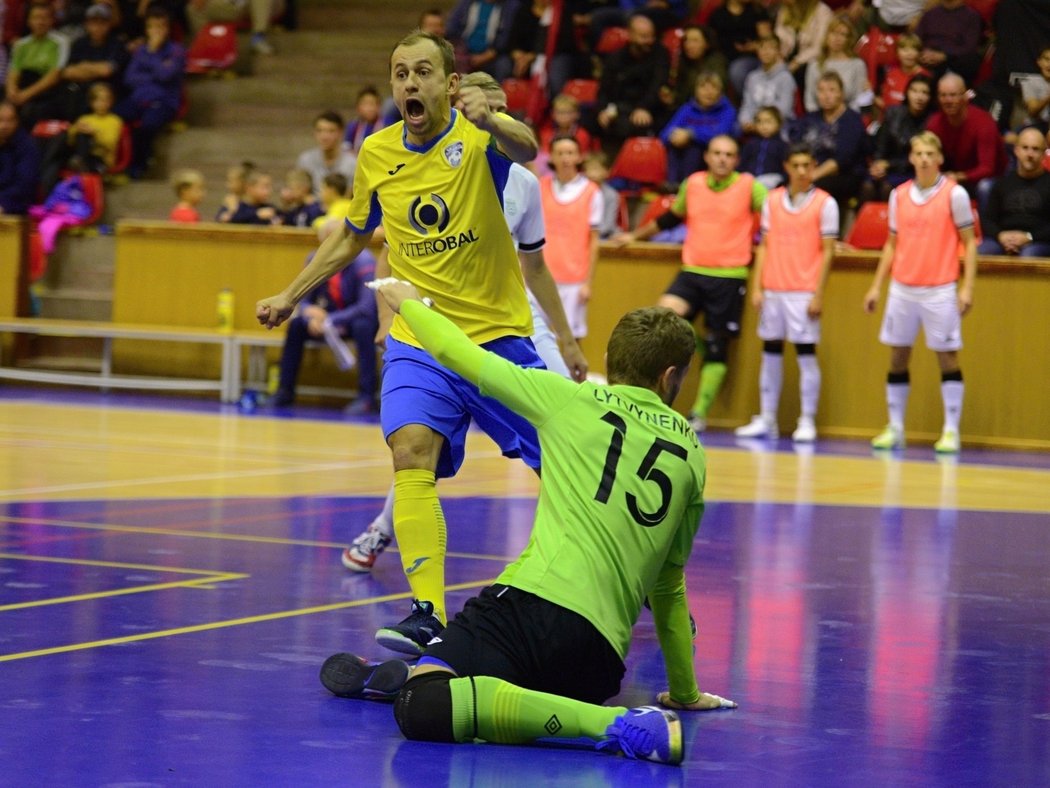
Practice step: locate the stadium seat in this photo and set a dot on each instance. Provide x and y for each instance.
(657, 207)
(642, 160)
(93, 194)
(123, 156)
(672, 41)
(214, 49)
(879, 50)
(46, 129)
(871, 228)
(612, 40)
(585, 91)
(519, 95)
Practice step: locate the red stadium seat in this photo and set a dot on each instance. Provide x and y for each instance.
(214, 49)
(672, 41)
(123, 156)
(871, 228)
(519, 94)
(659, 206)
(585, 91)
(879, 50)
(613, 39)
(92, 184)
(643, 160)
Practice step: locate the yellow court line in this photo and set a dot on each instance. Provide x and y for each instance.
(109, 564)
(198, 583)
(137, 529)
(230, 623)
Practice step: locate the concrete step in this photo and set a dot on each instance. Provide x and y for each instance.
(82, 262)
(67, 353)
(68, 303)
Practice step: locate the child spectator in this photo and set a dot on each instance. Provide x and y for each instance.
(1035, 92)
(596, 168)
(298, 206)
(367, 121)
(564, 121)
(328, 157)
(572, 212)
(770, 85)
(255, 206)
(235, 180)
(334, 200)
(154, 79)
(799, 226)
(764, 154)
(895, 83)
(836, 54)
(95, 137)
(696, 123)
(36, 67)
(189, 190)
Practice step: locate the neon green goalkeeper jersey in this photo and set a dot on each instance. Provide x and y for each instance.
(621, 494)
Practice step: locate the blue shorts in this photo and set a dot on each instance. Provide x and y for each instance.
(418, 390)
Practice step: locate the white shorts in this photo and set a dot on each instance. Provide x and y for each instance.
(784, 317)
(575, 311)
(545, 341)
(936, 308)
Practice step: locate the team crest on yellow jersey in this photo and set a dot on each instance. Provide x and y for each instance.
(454, 153)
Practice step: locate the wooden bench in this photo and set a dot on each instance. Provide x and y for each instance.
(227, 384)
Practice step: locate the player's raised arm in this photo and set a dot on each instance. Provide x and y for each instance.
(514, 138)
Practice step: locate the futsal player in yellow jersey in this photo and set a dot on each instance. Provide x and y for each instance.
(435, 182)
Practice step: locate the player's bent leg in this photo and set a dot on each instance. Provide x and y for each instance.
(712, 373)
(676, 304)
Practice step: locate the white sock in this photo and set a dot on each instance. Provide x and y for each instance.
(809, 384)
(897, 403)
(385, 519)
(952, 396)
(770, 379)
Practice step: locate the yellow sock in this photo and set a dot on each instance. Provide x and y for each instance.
(419, 525)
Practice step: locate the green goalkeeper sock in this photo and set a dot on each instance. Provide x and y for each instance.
(495, 710)
(711, 376)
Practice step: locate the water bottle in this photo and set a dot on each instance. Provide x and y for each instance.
(224, 310)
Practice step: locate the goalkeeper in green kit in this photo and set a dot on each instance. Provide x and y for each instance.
(530, 659)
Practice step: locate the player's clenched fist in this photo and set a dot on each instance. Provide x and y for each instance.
(473, 103)
(273, 311)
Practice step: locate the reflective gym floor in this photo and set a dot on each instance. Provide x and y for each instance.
(170, 584)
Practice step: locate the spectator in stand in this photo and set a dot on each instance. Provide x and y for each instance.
(1035, 92)
(572, 213)
(696, 53)
(739, 24)
(334, 201)
(480, 31)
(1016, 220)
(951, 39)
(203, 12)
(596, 167)
(764, 154)
(35, 70)
(836, 54)
(235, 180)
(697, 122)
(299, 207)
(897, 77)
(839, 141)
(770, 85)
(346, 304)
(154, 79)
(891, 165)
(801, 26)
(367, 121)
(328, 157)
(664, 14)
(629, 92)
(900, 15)
(95, 136)
(255, 207)
(189, 191)
(433, 21)
(19, 163)
(564, 121)
(97, 56)
(528, 45)
(974, 154)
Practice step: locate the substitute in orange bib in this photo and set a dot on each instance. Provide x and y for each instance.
(930, 217)
(718, 206)
(799, 226)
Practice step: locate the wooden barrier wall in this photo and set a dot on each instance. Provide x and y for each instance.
(12, 249)
(172, 274)
(1005, 358)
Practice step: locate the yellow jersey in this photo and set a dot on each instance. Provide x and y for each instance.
(441, 206)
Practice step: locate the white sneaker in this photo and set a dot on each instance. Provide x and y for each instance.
(361, 555)
(697, 422)
(805, 432)
(759, 427)
(948, 444)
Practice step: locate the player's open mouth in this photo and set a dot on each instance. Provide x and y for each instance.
(414, 109)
